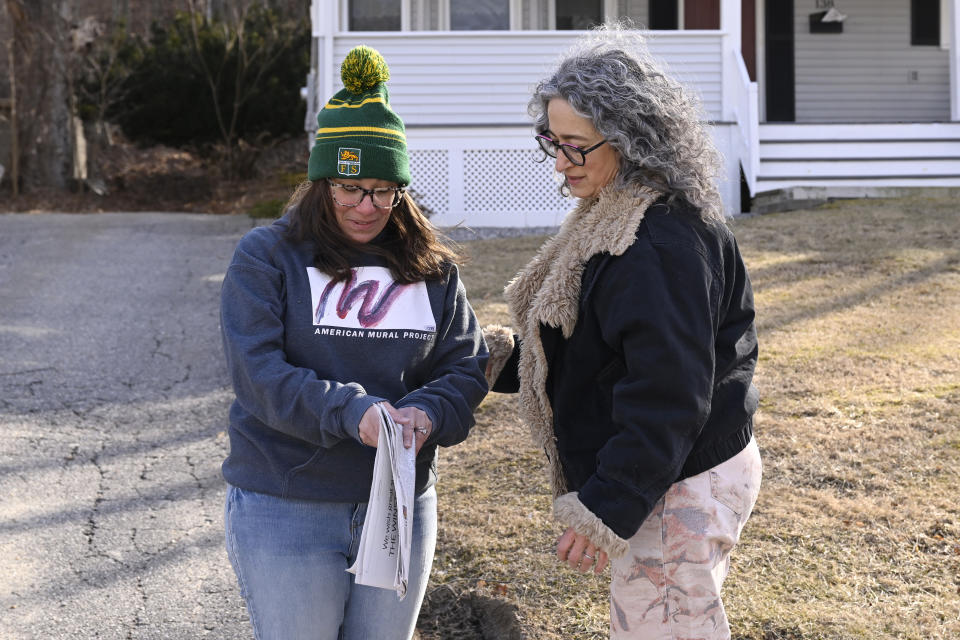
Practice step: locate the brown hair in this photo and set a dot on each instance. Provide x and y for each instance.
(412, 247)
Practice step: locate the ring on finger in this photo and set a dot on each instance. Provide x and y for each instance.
(587, 555)
(422, 430)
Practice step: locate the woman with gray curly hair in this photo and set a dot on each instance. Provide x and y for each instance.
(635, 343)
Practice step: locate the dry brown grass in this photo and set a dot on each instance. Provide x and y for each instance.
(857, 530)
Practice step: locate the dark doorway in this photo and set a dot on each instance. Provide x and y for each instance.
(781, 102)
(664, 14)
(701, 14)
(748, 36)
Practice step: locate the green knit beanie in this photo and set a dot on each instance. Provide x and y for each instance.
(358, 134)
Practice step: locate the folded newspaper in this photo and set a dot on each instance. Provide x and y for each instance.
(383, 559)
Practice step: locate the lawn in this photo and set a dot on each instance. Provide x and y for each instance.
(856, 534)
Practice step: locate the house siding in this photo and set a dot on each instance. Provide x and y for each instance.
(485, 78)
(863, 74)
(464, 95)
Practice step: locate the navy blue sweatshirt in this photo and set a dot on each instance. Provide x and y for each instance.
(308, 357)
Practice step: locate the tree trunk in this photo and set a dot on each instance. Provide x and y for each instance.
(43, 103)
(14, 140)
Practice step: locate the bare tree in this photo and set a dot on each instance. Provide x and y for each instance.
(44, 68)
(254, 57)
(100, 68)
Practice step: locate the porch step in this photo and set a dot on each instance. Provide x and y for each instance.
(792, 198)
(851, 156)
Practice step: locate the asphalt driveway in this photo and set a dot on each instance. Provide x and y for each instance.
(113, 405)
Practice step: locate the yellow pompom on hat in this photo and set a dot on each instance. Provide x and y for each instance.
(358, 134)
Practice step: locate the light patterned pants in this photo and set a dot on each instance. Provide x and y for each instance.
(667, 587)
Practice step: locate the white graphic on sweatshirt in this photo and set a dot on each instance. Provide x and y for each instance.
(369, 299)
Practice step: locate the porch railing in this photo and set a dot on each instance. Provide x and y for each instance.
(747, 114)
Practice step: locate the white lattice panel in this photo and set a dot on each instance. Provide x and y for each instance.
(510, 180)
(430, 179)
(490, 177)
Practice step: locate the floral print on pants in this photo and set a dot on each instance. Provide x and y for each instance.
(667, 587)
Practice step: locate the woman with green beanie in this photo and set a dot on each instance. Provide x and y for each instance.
(347, 302)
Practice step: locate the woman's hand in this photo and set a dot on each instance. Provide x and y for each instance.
(415, 422)
(580, 553)
(369, 429)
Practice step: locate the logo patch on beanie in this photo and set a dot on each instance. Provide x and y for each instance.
(348, 161)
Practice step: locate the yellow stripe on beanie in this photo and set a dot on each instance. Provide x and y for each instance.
(399, 135)
(347, 105)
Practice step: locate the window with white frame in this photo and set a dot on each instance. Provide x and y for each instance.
(494, 15)
(430, 15)
(479, 15)
(578, 14)
(373, 15)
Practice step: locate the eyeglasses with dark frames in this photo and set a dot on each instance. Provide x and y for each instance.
(351, 195)
(574, 154)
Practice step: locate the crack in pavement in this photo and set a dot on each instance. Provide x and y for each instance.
(114, 399)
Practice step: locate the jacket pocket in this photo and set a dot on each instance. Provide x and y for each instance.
(587, 422)
(607, 379)
(609, 375)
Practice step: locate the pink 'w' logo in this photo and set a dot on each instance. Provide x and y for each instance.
(372, 310)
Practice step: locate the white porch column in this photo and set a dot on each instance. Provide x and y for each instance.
(320, 29)
(954, 27)
(325, 21)
(724, 135)
(730, 26)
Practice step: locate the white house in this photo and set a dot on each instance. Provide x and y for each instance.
(844, 96)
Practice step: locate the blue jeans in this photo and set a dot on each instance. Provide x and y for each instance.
(291, 559)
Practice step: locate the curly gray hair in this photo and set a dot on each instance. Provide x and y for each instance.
(654, 123)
